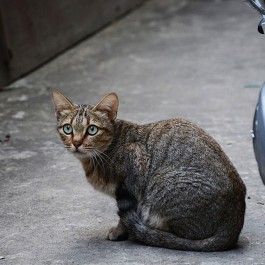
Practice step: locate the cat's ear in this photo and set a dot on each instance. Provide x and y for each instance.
(62, 105)
(108, 104)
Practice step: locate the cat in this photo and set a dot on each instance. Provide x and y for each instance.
(174, 185)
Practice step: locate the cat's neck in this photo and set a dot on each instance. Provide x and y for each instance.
(124, 132)
(88, 165)
(97, 178)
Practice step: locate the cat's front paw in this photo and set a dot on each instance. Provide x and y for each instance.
(117, 234)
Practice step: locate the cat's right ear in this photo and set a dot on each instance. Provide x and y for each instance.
(62, 105)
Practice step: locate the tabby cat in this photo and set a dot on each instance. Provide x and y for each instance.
(174, 186)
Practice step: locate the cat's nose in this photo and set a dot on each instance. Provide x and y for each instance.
(77, 143)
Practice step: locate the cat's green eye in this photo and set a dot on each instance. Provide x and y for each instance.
(92, 130)
(67, 128)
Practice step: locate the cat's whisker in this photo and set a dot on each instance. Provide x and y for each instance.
(100, 161)
(94, 155)
(100, 158)
(103, 159)
(104, 156)
(94, 165)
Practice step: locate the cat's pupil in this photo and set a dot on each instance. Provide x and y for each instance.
(67, 128)
(92, 130)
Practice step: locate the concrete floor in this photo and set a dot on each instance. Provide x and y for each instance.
(201, 60)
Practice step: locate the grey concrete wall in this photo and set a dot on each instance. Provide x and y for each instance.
(34, 31)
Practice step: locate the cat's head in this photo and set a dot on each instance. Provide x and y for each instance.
(85, 130)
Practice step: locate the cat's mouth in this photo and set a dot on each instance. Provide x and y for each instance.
(76, 149)
(79, 154)
(79, 151)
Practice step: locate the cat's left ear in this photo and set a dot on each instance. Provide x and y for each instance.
(62, 105)
(109, 104)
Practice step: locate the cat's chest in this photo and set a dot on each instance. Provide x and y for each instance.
(101, 184)
(97, 179)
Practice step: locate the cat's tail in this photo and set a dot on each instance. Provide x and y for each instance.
(155, 237)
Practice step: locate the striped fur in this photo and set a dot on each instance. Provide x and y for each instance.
(174, 185)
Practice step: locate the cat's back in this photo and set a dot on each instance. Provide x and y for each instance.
(179, 138)
(182, 144)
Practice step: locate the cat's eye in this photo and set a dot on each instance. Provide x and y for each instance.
(92, 130)
(67, 128)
